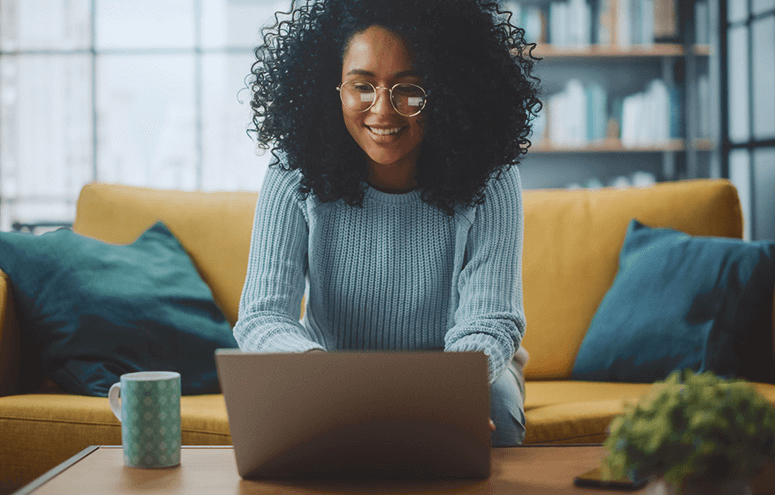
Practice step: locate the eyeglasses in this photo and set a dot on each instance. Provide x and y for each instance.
(407, 99)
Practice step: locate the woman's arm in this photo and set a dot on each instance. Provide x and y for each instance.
(490, 316)
(270, 305)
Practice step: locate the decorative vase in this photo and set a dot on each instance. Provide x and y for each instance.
(695, 487)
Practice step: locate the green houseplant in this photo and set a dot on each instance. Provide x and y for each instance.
(693, 430)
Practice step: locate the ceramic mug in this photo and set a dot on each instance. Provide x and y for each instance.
(148, 405)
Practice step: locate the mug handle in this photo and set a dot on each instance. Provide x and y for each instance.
(114, 398)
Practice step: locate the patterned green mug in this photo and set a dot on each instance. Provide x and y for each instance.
(148, 405)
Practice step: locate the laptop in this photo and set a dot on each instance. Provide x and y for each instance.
(357, 415)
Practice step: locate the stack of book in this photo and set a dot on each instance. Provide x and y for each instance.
(645, 118)
(581, 115)
(577, 115)
(570, 23)
(576, 23)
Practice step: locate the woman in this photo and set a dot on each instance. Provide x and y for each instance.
(395, 127)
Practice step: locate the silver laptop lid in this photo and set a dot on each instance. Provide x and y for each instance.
(358, 414)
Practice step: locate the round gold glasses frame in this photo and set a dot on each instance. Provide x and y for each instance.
(416, 99)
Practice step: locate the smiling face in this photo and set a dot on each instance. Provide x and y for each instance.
(391, 141)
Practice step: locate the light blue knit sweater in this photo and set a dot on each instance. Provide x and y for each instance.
(396, 274)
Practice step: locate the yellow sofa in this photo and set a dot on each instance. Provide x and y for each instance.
(572, 241)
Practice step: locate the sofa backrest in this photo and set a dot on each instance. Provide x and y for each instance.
(572, 240)
(213, 227)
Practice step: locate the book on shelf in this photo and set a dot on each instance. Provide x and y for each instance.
(676, 111)
(538, 126)
(701, 23)
(635, 23)
(569, 115)
(665, 20)
(623, 24)
(703, 96)
(579, 23)
(646, 116)
(647, 22)
(534, 22)
(605, 27)
(570, 23)
(558, 23)
(597, 115)
(574, 121)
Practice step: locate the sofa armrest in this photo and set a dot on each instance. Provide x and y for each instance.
(10, 346)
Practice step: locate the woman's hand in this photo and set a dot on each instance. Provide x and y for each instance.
(492, 425)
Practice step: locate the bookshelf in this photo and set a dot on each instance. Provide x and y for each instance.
(628, 88)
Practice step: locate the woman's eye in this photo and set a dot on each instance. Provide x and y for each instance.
(408, 91)
(363, 88)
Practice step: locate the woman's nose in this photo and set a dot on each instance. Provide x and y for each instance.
(382, 105)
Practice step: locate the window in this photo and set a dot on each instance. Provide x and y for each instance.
(145, 93)
(748, 109)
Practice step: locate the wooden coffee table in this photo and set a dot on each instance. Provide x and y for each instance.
(532, 469)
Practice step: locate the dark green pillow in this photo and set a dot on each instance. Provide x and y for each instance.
(679, 302)
(93, 311)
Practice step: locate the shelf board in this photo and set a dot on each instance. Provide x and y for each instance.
(704, 144)
(616, 146)
(608, 146)
(612, 51)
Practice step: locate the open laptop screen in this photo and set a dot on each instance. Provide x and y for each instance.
(358, 414)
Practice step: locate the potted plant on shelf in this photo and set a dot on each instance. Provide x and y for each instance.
(694, 433)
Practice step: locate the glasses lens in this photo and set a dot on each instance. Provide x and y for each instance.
(408, 99)
(358, 95)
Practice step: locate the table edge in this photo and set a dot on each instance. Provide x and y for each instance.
(52, 473)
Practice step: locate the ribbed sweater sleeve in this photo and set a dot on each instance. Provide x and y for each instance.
(271, 297)
(489, 316)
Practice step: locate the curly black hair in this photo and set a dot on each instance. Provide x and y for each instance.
(476, 67)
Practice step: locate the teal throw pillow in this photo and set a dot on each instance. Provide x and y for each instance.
(91, 311)
(681, 301)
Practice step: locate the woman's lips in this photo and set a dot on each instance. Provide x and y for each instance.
(385, 134)
(384, 131)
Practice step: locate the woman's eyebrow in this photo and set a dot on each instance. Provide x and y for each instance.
(361, 72)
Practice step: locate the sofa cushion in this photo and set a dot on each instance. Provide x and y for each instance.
(213, 227)
(572, 243)
(544, 393)
(561, 412)
(681, 301)
(93, 311)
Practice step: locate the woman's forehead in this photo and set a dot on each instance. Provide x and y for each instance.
(377, 51)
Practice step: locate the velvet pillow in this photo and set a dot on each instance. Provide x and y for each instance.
(678, 302)
(92, 311)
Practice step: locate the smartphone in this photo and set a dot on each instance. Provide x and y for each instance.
(594, 478)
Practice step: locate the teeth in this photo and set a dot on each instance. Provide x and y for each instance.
(384, 132)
